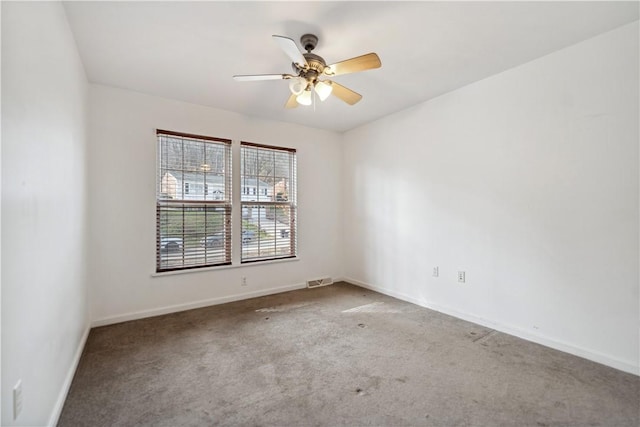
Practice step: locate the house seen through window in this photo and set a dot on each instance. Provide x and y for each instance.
(194, 204)
(269, 208)
(193, 227)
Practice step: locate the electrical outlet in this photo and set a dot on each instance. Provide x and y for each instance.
(461, 276)
(436, 272)
(17, 399)
(243, 282)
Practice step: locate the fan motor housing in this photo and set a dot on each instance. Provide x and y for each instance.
(315, 62)
(316, 66)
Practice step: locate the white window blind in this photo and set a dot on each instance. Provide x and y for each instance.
(268, 199)
(193, 202)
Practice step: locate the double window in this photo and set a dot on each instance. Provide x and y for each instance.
(194, 202)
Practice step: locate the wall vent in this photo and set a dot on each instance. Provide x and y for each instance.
(319, 282)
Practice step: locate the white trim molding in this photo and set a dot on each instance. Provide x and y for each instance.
(192, 305)
(64, 391)
(591, 355)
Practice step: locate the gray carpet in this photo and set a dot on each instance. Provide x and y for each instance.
(337, 355)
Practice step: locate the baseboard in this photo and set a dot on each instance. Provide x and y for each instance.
(57, 409)
(191, 305)
(507, 329)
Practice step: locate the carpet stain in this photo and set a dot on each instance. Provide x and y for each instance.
(283, 308)
(484, 337)
(374, 307)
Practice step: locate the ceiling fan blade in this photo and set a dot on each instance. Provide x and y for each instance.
(291, 102)
(256, 77)
(289, 47)
(345, 94)
(353, 65)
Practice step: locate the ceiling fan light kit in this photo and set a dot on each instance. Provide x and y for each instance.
(297, 85)
(323, 89)
(309, 67)
(304, 98)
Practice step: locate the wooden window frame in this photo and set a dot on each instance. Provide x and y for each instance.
(290, 204)
(197, 257)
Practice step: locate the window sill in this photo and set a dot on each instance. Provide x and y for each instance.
(225, 267)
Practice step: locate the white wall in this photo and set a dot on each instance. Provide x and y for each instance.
(44, 315)
(528, 181)
(122, 174)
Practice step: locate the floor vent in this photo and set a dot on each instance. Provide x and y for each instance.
(319, 282)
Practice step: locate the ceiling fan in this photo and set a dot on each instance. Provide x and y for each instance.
(309, 68)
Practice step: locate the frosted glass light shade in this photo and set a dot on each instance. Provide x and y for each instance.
(297, 85)
(323, 90)
(304, 98)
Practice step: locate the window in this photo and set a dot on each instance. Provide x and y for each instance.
(193, 228)
(194, 203)
(269, 214)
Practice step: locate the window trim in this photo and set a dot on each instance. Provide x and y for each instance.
(182, 203)
(269, 147)
(234, 203)
(224, 267)
(191, 135)
(292, 204)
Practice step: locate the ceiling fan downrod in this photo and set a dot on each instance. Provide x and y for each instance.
(309, 42)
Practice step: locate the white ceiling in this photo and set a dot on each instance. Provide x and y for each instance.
(189, 51)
